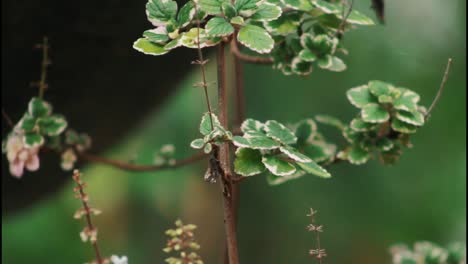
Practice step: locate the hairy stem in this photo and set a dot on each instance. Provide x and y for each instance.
(224, 158)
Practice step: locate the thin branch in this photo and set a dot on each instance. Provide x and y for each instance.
(45, 63)
(340, 31)
(7, 118)
(140, 168)
(90, 230)
(247, 58)
(202, 63)
(441, 88)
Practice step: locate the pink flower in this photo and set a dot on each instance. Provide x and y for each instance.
(20, 157)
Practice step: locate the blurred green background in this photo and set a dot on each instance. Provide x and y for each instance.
(364, 208)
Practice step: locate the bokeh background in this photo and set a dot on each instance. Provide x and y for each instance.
(132, 104)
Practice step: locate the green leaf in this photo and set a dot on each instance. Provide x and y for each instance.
(238, 20)
(208, 148)
(27, 123)
(360, 96)
(403, 127)
(219, 27)
(175, 43)
(319, 151)
(305, 131)
(256, 39)
(407, 101)
(52, 125)
(415, 118)
(160, 12)
(251, 125)
(307, 55)
(358, 155)
(245, 5)
(197, 143)
(385, 99)
(301, 67)
(357, 18)
(374, 113)
(303, 5)
(229, 10)
(379, 88)
(190, 39)
(320, 44)
(262, 142)
(338, 10)
(241, 142)
(33, 140)
(315, 169)
(157, 35)
(248, 162)
(286, 24)
(384, 144)
(331, 63)
(294, 154)
(207, 121)
(277, 180)
(267, 12)
(147, 47)
(39, 108)
(330, 120)
(186, 14)
(279, 132)
(359, 125)
(352, 136)
(211, 7)
(278, 166)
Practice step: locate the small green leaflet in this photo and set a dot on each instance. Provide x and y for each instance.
(256, 39)
(278, 166)
(160, 12)
(219, 27)
(360, 96)
(147, 47)
(279, 132)
(248, 162)
(39, 108)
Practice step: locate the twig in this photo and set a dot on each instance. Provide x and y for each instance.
(247, 58)
(340, 31)
(89, 231)
(7, 118)
(441, 88)
(140, 168)
(45, 63)
(202, 63)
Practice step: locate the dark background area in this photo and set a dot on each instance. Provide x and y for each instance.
(131, 104)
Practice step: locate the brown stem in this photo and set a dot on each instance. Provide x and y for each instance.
(7, 118)
(140, 168)
(441, 88)
(247, 58)
(225, 181)
(44, 65)
(202, 63)
(87, 210)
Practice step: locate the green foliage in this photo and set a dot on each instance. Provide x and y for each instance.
(298, 34)
(273, 147)
(388, 116)
(425, 252)
(39, 122)
(213, 133)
